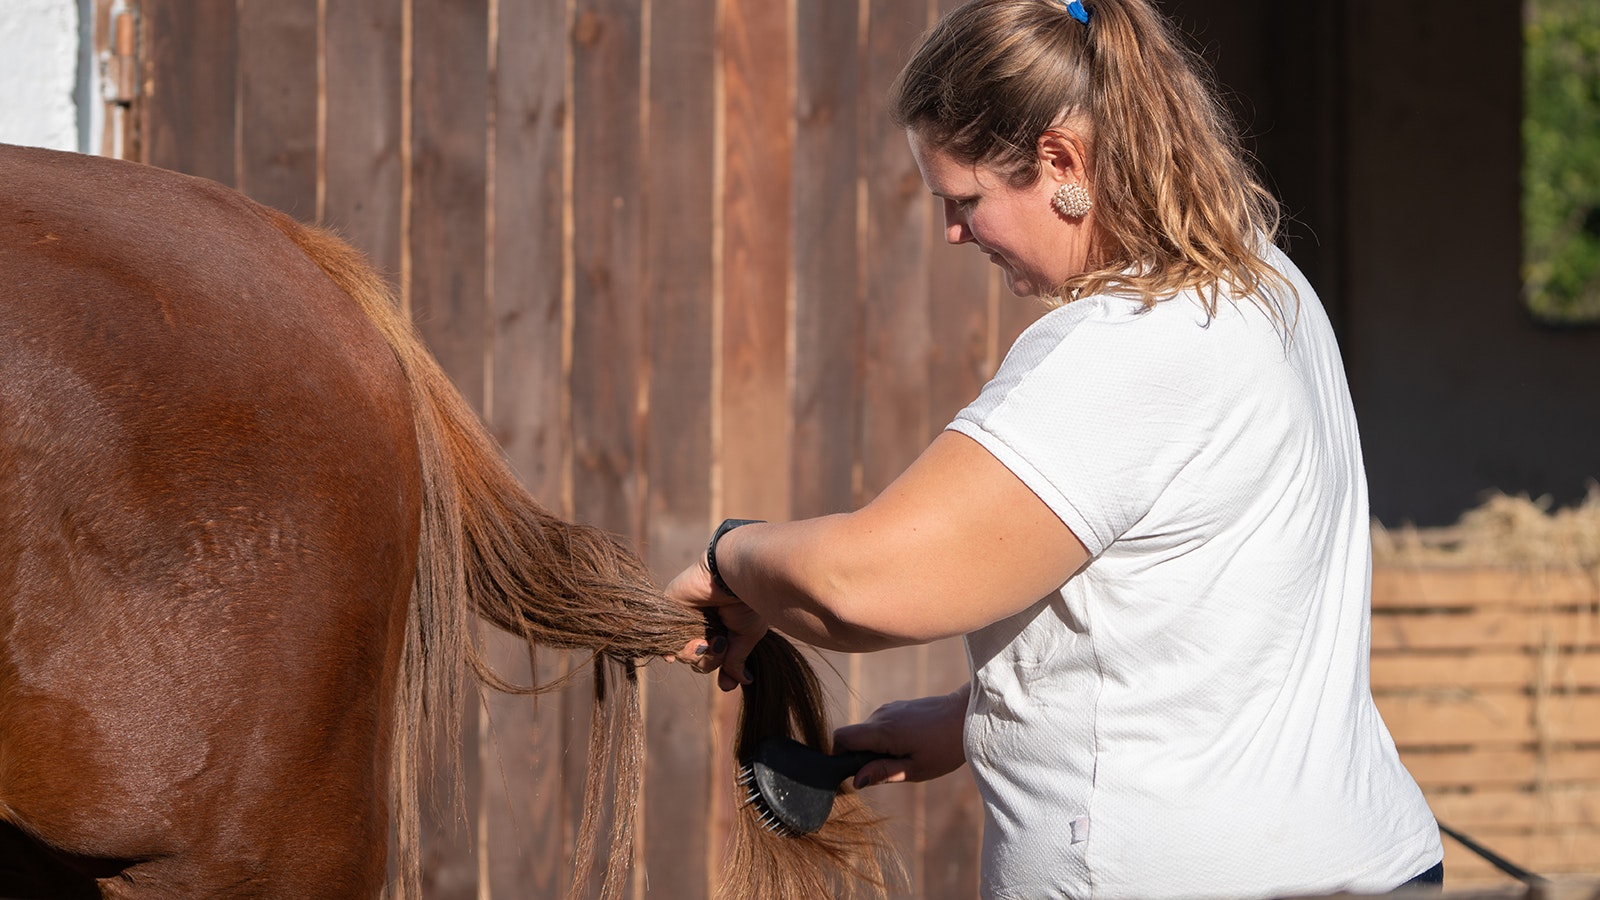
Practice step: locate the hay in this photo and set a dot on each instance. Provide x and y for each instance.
(1508, 531)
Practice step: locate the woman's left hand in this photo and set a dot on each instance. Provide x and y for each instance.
(745, 627)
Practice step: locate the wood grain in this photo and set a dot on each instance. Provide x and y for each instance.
(190, 57)
(362, 176)
(278, 98)
(679, 840)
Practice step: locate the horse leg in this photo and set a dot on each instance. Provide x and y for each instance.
(29, 870)
(265, 780)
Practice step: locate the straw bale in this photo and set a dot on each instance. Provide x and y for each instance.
(1511, 531)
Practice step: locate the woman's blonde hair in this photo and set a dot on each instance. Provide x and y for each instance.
(1177, 203)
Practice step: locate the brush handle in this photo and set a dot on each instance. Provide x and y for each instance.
(849, 763)
(809, 766)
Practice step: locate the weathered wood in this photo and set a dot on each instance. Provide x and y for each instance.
(517, 756)
(362, 177)
(449, 91)
(1495, 629)
(678, 260)
(755, 445)
(278, 99)
(608, 325)
(1448, 717)
(1491, 767)
(825, 398)
(1485, 669)
(827, 259)
(1571, 852)
(1397, 587)
(1570, 806)
(190, 55)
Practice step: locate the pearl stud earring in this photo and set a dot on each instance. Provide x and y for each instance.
(1072, 201)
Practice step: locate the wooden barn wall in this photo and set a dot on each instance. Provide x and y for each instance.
(677, 257)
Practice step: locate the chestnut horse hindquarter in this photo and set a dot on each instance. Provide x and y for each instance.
(208, 528)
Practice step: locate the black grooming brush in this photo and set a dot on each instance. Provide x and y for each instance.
(793, 785)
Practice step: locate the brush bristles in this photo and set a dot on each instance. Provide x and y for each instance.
(753, 797)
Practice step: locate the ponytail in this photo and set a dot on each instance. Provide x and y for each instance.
(1178, 205)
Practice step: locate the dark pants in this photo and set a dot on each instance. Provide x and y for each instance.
(1434, 877)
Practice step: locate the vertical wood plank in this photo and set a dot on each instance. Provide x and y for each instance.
(898, 342)
(523, 807)
(960, 358)
(898, 327)
(959, 292)
(608, 323)
(449, 87)
(278, 87)
(446, 247)
(682, 762)
(362, 177)
(755, 448)
(755, 420)
(825, 395)
(608, 327)
(827, 265)
(190, 60)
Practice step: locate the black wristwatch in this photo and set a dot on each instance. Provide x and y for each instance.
(711, 551)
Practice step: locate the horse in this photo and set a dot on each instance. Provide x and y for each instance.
(247, 526)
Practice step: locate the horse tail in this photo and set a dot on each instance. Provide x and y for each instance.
(488, 547)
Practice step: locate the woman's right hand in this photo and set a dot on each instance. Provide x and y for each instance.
(924, 735)
(744, 626)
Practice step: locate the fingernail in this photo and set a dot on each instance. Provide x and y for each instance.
(719, 644)
(746, 677)
(701, 649)
(860, 781)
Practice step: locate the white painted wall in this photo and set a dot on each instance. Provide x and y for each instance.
(45, 74)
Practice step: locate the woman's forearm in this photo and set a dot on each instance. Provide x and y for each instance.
(813, 582)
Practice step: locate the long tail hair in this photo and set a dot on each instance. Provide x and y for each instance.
(488, 547)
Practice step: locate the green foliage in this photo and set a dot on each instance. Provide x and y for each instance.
(1561, 160)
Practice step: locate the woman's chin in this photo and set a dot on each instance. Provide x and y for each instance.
(1022, 287)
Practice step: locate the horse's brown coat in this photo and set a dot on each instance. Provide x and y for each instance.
(208, 521)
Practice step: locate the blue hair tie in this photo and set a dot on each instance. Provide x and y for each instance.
(1078, 12)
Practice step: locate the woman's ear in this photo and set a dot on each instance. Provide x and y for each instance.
(1062, 157)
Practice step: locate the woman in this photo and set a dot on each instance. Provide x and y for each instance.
(1169, 459)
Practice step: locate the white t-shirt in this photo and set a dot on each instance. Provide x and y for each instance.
(1191, 716)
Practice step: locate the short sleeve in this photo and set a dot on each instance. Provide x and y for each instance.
(1091, 412)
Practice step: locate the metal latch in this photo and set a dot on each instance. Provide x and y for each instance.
(119, 61)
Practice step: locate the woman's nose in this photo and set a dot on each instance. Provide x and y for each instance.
(955, 227)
